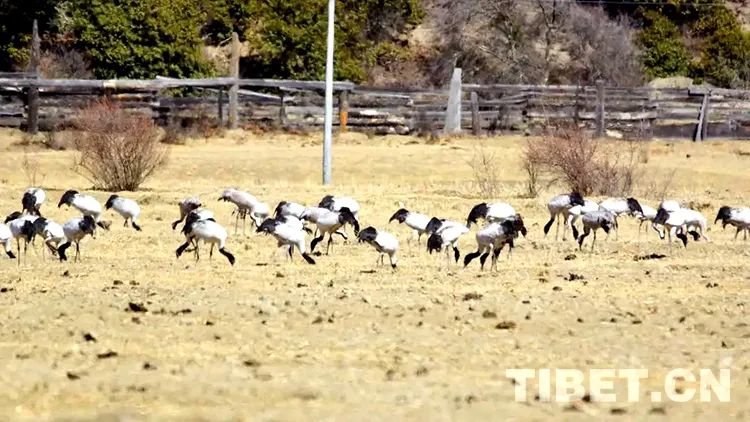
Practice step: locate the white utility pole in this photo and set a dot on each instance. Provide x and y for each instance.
(328, 129)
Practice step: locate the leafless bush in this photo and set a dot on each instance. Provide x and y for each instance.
(532, 178)
(117, 150)
(30, 166)
(569, 155)
(616, 173)
(486, 172)
(566, 155)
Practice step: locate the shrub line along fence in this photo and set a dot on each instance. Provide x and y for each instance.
(30, 102)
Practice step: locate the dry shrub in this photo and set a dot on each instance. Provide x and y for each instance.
(484, 166)
(116, 150)
(532, 178)
(568, 154)
(31, 168)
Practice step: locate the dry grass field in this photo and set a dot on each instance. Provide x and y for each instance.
(346, 339)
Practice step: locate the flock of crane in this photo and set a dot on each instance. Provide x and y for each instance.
(288, 223)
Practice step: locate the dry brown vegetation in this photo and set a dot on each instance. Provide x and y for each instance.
(345, 339)
(116, 150)
(486, 165)
(571, 156)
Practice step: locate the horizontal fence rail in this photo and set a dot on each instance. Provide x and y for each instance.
(640, 112)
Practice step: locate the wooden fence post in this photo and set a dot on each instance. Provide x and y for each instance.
(577, 104)
(706, 111)
(234, 72)
(476, 122)
(701, 130)
(221, 106)
(282, 110)
(600, 123)
(453, 111)
(343, 110)
(32, 125)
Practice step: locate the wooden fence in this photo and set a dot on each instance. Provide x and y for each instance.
(694, 113)
(30, 102)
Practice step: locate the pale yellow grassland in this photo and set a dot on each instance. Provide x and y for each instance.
(389, 345)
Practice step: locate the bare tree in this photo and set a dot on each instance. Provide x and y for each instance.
(488, 39)
(538, 41)
(602, 48)
(550, 20)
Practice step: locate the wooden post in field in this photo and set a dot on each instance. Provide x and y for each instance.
(706, 111)
(701, 128)
(32, 125)
(221, 106)
(234, 72)
(600, 123)
(343, 110)
(282, 110)
(476, 122)
(453, 111)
